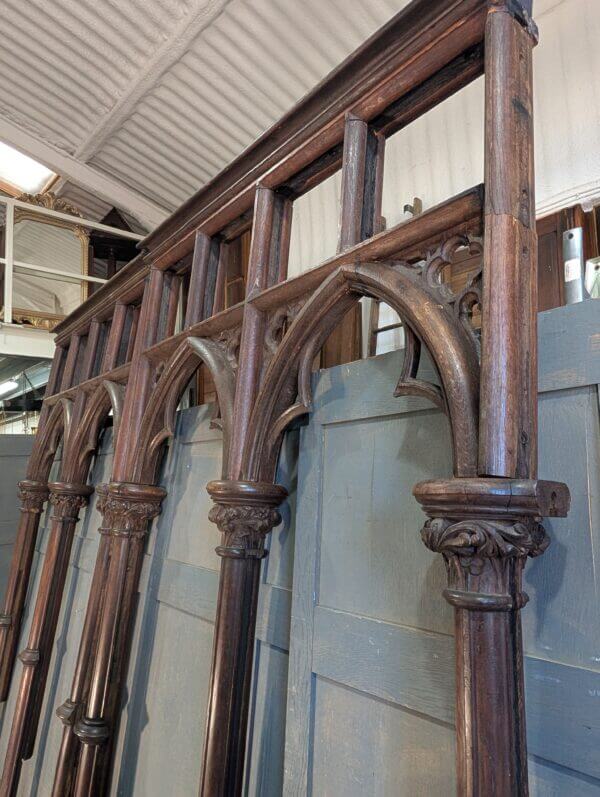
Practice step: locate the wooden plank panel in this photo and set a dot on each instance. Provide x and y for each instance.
(569, 351)
(414, 669)
(364, 747)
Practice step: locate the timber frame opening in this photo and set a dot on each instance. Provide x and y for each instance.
(122, 351)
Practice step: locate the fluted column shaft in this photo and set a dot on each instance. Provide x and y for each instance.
(91, 713)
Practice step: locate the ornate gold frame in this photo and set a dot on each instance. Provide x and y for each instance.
(42, 320)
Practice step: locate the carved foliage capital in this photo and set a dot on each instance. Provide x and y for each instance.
(127, 508)
(485, 528)
(485, 538)
(244, 527)
(32, 495)
(67, 499)
(245, 512)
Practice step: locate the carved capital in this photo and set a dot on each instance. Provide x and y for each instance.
(67, 499)
(245, 512)
(127, 508)
(33, 496)
(485, 529)
(480, 538)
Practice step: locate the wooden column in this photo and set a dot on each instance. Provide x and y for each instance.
(33, 495)
(245, 512)
(66, 499)
(487, 527)
(508, 407)
(127, 510)
(33, 492)
(90, 713)
(71, 711)
(362, 183)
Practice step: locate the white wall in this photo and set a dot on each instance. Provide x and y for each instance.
(441, 153)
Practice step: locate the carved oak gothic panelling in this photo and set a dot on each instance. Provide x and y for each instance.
(164, 318)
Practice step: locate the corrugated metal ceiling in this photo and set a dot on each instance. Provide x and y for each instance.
(126, 88)
(162, 94)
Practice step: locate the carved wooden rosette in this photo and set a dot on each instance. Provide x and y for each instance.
(485, 529)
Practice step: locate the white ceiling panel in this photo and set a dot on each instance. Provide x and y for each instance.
(155, 97)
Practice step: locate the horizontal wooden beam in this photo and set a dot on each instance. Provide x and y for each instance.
(408, 240)
(461, 214)
(126, 286)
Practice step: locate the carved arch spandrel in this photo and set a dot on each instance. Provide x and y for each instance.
(158, 424)
(83, 441)
(48, 439)
(286, 390)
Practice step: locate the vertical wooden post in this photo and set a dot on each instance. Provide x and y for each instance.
(66, 499)
(202, 278)
(362, 183)
(508, 415)
(90, 714)
(244, 512)
(486, 548)
(71, 710)
(33, 492)
(127, 510)
(33, 495)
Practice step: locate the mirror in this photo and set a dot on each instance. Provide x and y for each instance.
(43, 299)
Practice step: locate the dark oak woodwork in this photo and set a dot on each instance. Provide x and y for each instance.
(219, 264)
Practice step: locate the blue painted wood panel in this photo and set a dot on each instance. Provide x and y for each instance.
(14, 454)
(371, 679)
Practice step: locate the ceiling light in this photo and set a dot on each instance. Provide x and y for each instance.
(21, 171)
(8, 387)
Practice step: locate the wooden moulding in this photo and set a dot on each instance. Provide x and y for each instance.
(483, 497)
(408, 240)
